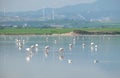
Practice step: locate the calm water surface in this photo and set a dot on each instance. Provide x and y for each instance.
(39, 56)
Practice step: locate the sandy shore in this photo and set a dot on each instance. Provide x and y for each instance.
(66, 34)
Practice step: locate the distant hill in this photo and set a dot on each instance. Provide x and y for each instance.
(97, 11)
(98, 14)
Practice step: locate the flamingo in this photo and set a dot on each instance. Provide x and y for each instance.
(96, 46)
(70, 46)
(32, 46)
(83, 45)
(61, 58)
(69, 61)
(28, 49)
(92, 43)
(47, 47)
(28, 58)
(46, 53)
(36, 45)
(96, 61)
(55, 41)
(74, 41)
(61, 49)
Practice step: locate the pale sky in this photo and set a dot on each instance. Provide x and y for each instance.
(27, 5)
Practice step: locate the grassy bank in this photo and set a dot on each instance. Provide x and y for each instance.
(39, 31)
(45, 31)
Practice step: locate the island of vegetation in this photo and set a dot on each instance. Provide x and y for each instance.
(56, 31)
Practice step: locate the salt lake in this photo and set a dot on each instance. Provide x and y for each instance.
(37, 56)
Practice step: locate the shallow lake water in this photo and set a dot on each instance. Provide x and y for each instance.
(34, 56)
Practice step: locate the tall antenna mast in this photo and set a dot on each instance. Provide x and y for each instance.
(43, 11)
(4, 12)
(53, 14)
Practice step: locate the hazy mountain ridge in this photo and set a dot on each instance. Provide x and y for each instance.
(93, 11)
(96, 15)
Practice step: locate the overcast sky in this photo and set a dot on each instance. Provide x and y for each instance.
(27, 5)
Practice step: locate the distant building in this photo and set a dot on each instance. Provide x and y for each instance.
(57, 26)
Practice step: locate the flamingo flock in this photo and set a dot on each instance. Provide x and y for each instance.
(32, 49)
(19, 43)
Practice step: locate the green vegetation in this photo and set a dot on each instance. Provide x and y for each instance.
(98, 31)
(49, 31)
(36, 31)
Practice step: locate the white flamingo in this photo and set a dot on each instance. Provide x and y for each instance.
(83, 45)
(61, 49)
(70, 46)
(28, 49)
(69, 61)
(46, 53)
(28, 58)
(61, 58)
(96, 47)
(36, 45)
(95, 61)
(92, 43)
(32, 46)
(74, 41)
(47, 47)
(55, 41)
